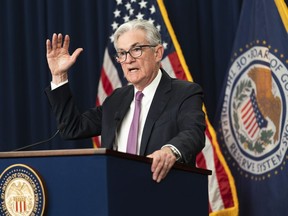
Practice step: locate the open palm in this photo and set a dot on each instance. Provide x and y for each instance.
(58, 57)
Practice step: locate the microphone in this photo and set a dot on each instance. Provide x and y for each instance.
(60, 127)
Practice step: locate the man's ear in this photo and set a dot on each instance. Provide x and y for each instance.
(159, 52)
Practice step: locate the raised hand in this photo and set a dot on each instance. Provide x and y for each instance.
(58, 57)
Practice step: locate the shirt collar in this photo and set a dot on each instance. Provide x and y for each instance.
(150, 90)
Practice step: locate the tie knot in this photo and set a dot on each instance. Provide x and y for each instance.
(139, 96)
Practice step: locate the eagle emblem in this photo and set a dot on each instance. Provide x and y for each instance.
(257, 112)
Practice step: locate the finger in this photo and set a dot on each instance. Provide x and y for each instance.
(54, 41)
(155, 162)
(48, 46)
(158, 171)
(76, 53)
(164, 171)
(150, 156)
(59, 41)
(66, 42)
(161, 174)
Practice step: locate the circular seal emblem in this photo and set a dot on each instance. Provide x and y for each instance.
(253, 118)
(21, 192)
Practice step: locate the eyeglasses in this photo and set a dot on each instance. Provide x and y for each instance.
(135, 52)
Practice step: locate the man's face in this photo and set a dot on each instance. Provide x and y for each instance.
(142, 70)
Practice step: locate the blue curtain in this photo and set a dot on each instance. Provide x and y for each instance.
(205, 30)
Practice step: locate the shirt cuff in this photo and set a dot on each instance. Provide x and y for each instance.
(175, 149)
(54, 86)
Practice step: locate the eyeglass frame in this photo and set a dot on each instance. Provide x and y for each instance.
(126, 52)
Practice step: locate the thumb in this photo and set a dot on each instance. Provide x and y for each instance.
(76, 53)
(150, 156)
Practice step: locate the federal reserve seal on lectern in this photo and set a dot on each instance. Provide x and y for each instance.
(21, 192)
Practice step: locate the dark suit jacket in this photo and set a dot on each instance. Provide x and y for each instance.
(175, 117)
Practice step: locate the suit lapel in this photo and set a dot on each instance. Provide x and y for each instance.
(125, 105)
(120, 114)
(159, 102)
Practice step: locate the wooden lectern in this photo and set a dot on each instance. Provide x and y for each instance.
(103, 182)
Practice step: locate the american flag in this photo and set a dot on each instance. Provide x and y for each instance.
(222, 192)
(251, 117)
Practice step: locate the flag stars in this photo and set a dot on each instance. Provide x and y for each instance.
(165, 45)
(158, 28)
(152, 9)
(276, 50)
(151, 21)
(140, 16)
(111, 38)
(117, 13)
(119, 2)
(143, 4)
(126, 18)
(128, 6)
(131, 11)
(114, 25)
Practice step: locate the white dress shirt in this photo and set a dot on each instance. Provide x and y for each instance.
(122, 134)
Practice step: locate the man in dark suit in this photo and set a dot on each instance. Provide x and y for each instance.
(172, 123)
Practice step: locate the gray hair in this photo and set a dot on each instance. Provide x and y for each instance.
(152, 34)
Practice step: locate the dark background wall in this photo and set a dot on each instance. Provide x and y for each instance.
(205, 30)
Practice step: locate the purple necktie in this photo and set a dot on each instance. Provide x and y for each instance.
(133, 132)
